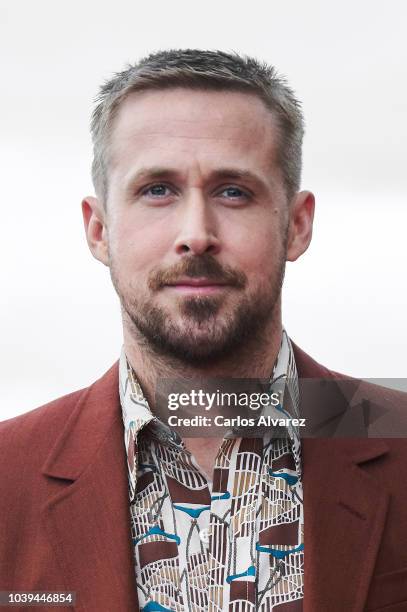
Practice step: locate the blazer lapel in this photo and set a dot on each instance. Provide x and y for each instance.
(344, 507)
(344, 516)
(87, 511)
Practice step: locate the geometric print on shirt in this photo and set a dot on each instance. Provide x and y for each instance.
(256, 542)
(251, 557)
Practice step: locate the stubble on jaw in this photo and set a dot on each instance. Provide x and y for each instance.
(206, 335)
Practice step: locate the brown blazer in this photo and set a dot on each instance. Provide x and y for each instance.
(64, 513)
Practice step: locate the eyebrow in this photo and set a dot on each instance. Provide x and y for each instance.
(161, 172)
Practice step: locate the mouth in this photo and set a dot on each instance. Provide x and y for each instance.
(196, 286)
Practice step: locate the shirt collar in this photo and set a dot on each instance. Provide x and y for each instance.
(135, 409)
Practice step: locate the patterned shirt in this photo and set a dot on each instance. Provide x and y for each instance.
(235, 543)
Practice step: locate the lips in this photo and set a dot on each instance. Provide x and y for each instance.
(195, 282)
(198, 286)
(196, 273)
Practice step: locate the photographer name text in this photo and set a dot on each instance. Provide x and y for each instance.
(238, 421)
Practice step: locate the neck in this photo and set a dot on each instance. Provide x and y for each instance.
(253, 360)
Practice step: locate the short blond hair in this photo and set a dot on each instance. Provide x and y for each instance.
(205, 70)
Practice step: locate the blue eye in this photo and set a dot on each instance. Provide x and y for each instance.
(234, 193)
(157, 191)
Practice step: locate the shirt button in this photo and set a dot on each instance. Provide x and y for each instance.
(204, 535)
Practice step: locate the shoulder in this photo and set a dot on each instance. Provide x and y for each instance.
(383, 409)
(35, 433)
(52, 412)
(36, 428)
(308, 367)
(375, 392)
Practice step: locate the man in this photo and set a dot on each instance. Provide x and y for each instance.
(197, 162)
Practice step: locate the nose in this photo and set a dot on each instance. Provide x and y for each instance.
(197, 227)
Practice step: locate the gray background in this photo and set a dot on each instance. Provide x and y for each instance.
(344, 301)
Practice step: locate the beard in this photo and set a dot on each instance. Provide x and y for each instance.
(202, 334)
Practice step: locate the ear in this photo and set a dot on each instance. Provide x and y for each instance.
(94, 219)
(300, 225)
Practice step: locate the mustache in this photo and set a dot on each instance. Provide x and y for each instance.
(196, 267)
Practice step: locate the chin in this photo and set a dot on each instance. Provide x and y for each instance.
(197, 344)
(195, 350)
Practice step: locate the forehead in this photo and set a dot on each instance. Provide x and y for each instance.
(207, 127)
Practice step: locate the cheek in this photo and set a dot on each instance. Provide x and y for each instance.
(255, 253)
(135, 251)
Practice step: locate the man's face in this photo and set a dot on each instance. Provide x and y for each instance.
(197, 220)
